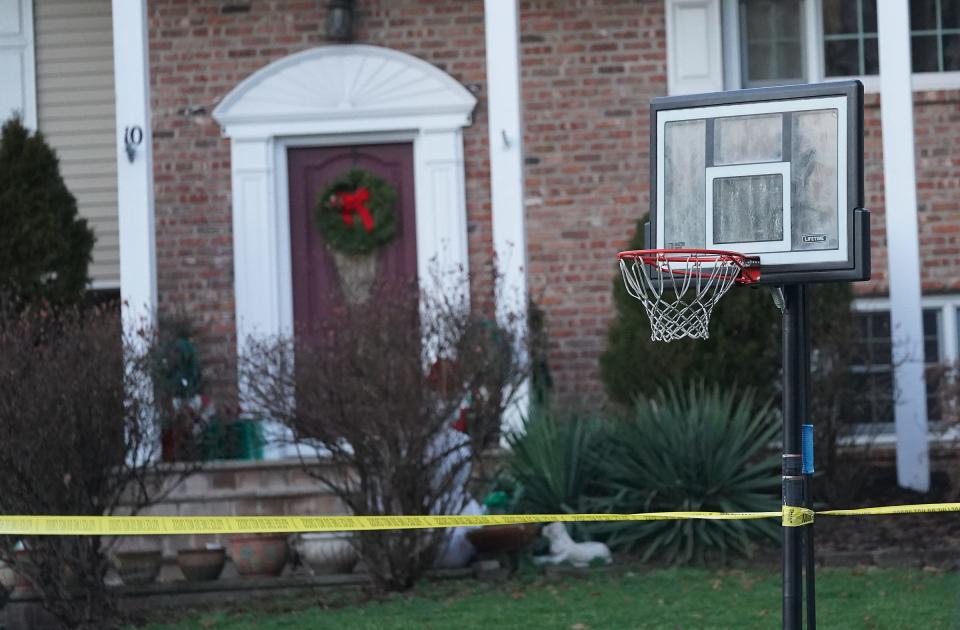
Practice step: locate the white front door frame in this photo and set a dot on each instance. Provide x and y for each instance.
(328, 96)
(339, 95)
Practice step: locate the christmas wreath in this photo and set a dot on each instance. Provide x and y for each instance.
(355, 212)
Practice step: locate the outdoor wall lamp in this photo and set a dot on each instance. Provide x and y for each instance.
(340, 20)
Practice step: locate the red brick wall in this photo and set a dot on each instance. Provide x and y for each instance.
(199, 51)
(589, 72)
(936, 129)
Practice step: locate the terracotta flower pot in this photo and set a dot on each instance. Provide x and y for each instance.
(502, 538)
(201, 565)
(327, 553)
(137, 568)
(21, 584)
(259, 555)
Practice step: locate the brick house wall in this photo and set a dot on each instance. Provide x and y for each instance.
(589, 69)
(936, 129)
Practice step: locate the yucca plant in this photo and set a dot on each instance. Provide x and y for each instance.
(695, 448)
(553, 462)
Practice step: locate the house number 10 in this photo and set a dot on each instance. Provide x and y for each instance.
(132, 138)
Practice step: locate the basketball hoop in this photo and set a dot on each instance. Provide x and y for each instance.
(679, 287)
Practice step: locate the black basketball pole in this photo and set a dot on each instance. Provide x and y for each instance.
(794, 403)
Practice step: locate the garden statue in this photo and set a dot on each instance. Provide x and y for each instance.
(563, 549)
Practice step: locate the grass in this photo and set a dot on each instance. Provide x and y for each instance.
(675, 598)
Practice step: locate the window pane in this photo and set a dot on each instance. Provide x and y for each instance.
(871, 54)
(923, 15)
(842, 58)
(950, 14)
(924, 49)
(879, 391)
(791, 65)
(770, 30)
(869, 16)
(839, 17)
(760, 63)
(878, 340)
(758, 18)
(881, 325)
(951, 52)
(934, 380)
(931, 335)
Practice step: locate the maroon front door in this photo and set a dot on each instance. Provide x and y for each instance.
(316, 283)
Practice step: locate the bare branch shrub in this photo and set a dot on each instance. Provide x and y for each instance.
(374, 391)
(78, 436)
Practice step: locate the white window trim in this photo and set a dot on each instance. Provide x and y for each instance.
(948, 305)
(812, 33)
(20, 37)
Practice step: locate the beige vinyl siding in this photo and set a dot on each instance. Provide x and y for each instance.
(76, 113)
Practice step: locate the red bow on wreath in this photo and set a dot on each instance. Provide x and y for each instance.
(355, 203)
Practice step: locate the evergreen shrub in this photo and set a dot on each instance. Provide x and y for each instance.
(45, 246)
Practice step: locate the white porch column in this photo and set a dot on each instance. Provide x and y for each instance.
(502, 31)
(138, 265)
(899, 178)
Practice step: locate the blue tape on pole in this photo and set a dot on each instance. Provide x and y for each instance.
(806, 449)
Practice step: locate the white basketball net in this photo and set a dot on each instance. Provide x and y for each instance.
(679, 290)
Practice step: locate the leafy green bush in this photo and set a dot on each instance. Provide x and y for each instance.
(44, 246)
(698, 448)
(743, 348)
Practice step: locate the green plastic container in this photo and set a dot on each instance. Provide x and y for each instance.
(240, 439)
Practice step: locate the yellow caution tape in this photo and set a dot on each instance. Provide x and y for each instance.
(152, 525)
(159, 525)
(796, 516)
(917, 508)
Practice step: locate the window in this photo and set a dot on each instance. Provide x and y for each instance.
(850, 38)
(935, 35)
(777, 42)
(872, 372)
(771, 42)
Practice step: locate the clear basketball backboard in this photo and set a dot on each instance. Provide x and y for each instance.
(774, 172)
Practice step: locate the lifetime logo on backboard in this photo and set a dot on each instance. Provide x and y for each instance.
(814, 238)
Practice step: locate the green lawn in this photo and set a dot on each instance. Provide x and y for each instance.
(677, 598)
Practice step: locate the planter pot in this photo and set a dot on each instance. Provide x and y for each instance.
(177, 443)
(21, 584)
(240, 439)
(497, 539)
(201, 565)
(327, 553)
(259, 556)
(137, 568)
(8, 577)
